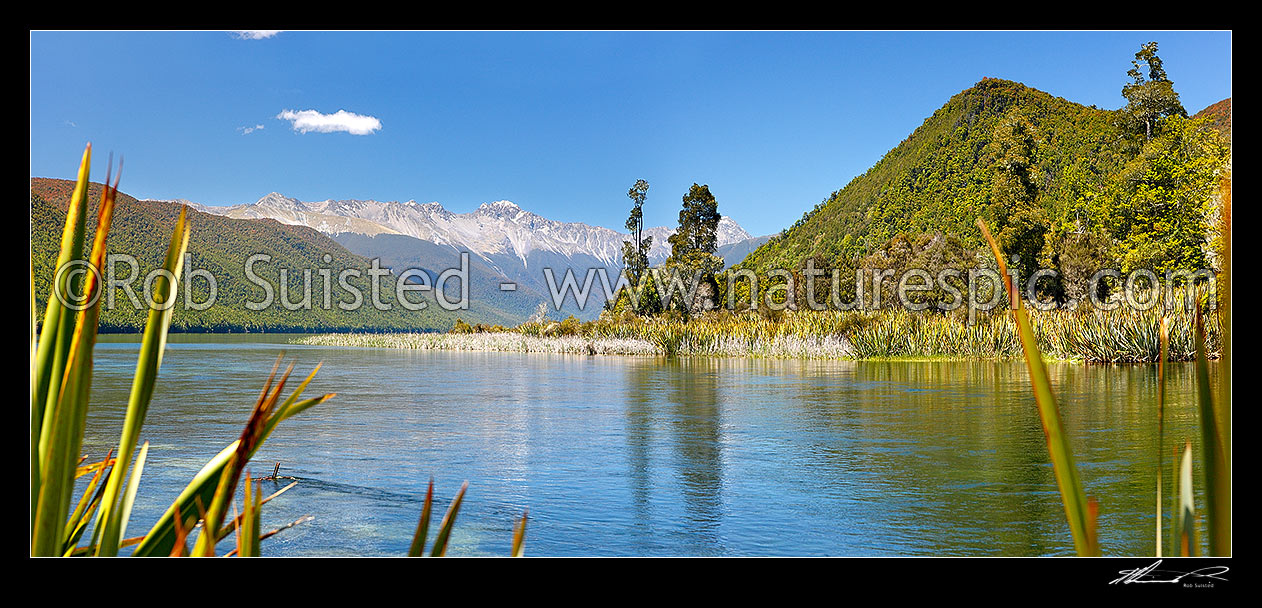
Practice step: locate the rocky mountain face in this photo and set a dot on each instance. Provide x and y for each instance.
(510, 244)
(496, 228)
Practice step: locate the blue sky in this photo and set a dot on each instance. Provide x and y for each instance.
(561, 123)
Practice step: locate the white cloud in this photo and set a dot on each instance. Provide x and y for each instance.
(256, 34)
(305, 121)
(249, 130)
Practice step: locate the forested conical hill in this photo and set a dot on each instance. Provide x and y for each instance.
(939, 178)
(221, 246)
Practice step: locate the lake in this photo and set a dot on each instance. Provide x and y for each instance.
(646, 456)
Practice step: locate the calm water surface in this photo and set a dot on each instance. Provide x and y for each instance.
(647, 456)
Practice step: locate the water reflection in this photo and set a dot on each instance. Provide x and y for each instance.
(640, 421)
(695, 430)
(645, 456)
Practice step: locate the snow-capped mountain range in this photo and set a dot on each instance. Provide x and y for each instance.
(506, 243)
(492, 230)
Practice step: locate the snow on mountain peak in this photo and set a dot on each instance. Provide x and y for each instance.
(280, 201)
(731, 232)
(499, 208)
(496, 227)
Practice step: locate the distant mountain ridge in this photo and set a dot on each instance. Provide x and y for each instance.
(494, 228)
(507, 244)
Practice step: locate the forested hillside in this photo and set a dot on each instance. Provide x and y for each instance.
(221, 246)
(1065, 185)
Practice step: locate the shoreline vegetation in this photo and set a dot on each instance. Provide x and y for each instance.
(1119, 336)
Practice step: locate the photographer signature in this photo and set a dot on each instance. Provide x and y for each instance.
(1151, 574)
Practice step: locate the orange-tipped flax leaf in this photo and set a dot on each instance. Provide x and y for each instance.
(1077, 509)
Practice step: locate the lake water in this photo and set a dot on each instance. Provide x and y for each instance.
(647, 456)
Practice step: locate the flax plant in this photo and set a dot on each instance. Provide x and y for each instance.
(1079, 509)
(61, 376)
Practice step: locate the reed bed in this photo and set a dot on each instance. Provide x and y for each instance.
(815, 335)
(1127, 335)
(806, 337)
(1094, 336)
(493, 342)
